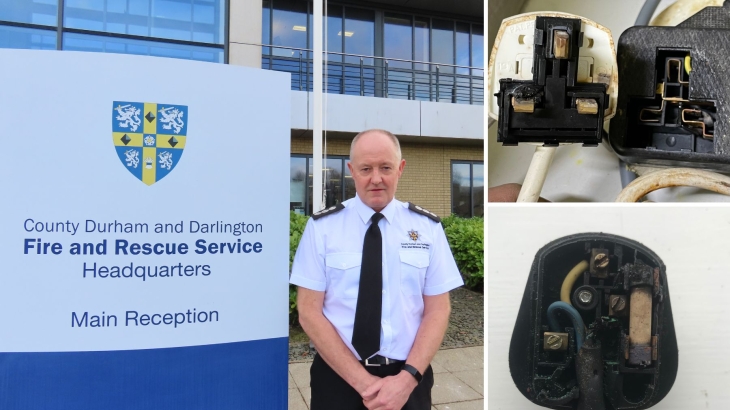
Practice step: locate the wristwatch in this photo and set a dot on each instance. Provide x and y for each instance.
(413, 371)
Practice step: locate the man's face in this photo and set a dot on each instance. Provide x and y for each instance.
(376, 169)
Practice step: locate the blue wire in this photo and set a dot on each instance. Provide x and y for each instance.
(580, 330)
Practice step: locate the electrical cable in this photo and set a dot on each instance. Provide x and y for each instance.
(570, 279)
(647, 10)
(578, 325)
(674, 177)
(536, 174)
(627, 176)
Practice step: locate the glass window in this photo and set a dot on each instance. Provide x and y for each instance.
(443, 44)
(29, 38)
(404, 37)
(461, 190)
(478, 189)
(400, 84)
(462, 47)
(356, 79)
(467, 188)
(398, 40)
(266, 27)
(334, 33)
(296, 68)
(462, 90)
(297, 184)
(332, 177)
(422, 43)
(333, 183)
(42, 12)
(423, 86)
(104, 44)
(359, 34)
(477, 90)
(334, 82)
(335, 39)
(349, 182)
(336, 188)
(477, 49)
(446, 89)
(188, 20)
(289, 27)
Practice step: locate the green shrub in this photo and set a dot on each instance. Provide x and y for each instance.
(297, 223)
(466, 238)
(449, 220)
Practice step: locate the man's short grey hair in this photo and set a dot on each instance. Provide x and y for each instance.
(388, 133)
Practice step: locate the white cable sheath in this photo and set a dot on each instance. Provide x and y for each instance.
(674, 177)
(536, 174)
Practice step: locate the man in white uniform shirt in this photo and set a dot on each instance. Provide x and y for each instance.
(418, 271)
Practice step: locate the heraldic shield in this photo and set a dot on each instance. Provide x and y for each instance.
(149, 137)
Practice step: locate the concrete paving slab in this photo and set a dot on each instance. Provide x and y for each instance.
(473, 378)
(464, 405)
(296, 402)
(307, 394)
(291, 383)
(300, 373)
(458, 384)
(447, 388)
(437, 368)
(459, 360)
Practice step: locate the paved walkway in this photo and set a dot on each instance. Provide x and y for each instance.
(458, 380)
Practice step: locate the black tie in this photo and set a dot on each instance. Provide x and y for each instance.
(366, 331)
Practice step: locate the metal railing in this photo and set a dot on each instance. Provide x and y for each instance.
(355, 74)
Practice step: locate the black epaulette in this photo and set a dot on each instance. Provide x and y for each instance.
(423, 211)
(328, 211)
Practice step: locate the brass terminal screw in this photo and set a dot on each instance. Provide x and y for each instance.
(601, 260)
(618, 304)
(554, 342)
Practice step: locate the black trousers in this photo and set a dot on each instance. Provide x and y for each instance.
(331, 392)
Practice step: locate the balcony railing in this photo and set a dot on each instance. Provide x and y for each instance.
(373, 76)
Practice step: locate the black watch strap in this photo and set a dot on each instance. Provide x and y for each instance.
(413, 371)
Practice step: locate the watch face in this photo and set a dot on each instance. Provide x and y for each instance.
(595, 326)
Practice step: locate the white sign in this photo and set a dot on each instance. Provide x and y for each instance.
(144, 246)
(144, 203)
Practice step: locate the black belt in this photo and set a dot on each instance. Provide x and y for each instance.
(379, 360)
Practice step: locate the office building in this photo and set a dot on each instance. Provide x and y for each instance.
(414, 67)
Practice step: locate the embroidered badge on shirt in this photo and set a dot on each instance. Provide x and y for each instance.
(414, 235)
(416, 242)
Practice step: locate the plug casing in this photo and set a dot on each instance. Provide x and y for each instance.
(674, 94)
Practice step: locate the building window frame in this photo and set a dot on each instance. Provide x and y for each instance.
(60, 29)
(308, 178)
(471, 164)
(375, 84)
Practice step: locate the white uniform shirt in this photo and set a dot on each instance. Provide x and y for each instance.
(417, 261)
